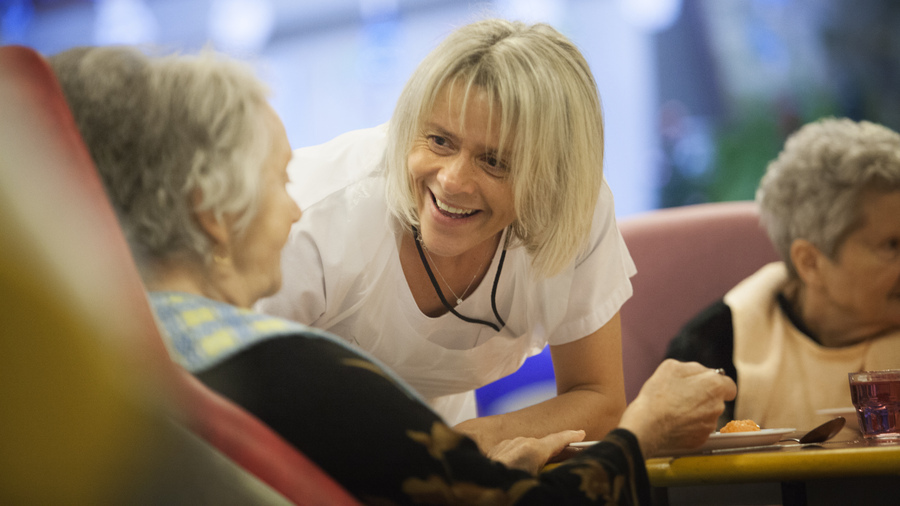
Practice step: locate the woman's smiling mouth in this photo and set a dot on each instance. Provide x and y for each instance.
(450, 211)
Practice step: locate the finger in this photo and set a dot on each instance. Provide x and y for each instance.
(686, 368)
(559, 440)
(566, 436)
(731, 391)
(726, 387)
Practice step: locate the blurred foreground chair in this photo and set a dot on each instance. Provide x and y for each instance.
(94, 412)
(687, 258)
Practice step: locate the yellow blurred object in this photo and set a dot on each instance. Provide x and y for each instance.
(71, 432)
(75, 425)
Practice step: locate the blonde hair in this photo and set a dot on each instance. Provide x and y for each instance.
(551, 130)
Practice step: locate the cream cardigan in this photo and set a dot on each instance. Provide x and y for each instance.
(784, 377)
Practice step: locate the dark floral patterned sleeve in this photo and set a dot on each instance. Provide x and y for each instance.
(388, 448)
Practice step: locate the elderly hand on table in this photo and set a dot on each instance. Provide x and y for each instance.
(530, 454)
(677, 408)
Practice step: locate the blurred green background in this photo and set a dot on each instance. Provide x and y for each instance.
(698, 95)
(756, 71)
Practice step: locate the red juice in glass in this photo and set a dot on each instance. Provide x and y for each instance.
(876, 397)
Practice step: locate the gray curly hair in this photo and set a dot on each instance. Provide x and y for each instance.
(814, 189)
(164, 130)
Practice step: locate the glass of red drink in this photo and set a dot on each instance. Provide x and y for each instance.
(876, 397)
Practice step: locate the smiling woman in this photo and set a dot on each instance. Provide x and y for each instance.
(472, 231)
(463, 193)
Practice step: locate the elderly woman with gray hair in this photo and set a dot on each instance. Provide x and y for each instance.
(194, 161)
(830, 203)
(187, 128)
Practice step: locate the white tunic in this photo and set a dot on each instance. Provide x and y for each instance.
(342, 273)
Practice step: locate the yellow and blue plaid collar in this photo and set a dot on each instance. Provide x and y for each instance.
(201, 332)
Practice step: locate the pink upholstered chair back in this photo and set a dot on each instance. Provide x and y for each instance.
(687, 258)
(52, 188)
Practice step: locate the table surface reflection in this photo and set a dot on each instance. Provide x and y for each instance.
(790, 474)
(781, 463)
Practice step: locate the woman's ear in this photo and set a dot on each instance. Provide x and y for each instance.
(807, 260)
(209, 223)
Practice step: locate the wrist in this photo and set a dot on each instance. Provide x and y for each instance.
(646, 436)
(483, 430)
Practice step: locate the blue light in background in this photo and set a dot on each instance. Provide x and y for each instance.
(241, 27)
(15, 17)
(124, 22)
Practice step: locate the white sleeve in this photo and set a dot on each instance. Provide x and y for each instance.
(316, 173)
(302, 294)
(601, 283)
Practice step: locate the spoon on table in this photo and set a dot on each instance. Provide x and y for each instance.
(821, 433)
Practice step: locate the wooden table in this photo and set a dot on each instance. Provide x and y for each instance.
(859, 472)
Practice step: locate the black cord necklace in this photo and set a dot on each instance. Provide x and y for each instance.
(447, 305)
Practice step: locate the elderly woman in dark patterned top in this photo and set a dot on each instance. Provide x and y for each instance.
(194, 161)
(831, 205)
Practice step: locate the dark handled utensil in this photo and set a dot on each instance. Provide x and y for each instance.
(821, 433)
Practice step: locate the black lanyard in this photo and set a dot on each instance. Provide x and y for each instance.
(440, 294)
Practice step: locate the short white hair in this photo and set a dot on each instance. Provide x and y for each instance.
(814, 189)
(551, 129)
(162, 129)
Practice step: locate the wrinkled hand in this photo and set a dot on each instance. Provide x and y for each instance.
(677, 408)
(530, 454)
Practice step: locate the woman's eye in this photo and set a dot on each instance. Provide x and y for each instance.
(495, 166)
(437, 142)
(891, 247)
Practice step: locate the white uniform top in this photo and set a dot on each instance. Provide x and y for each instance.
(342, 273)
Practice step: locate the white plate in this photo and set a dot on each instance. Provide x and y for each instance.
(762, 437)
(717, 440)
(583, 444)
